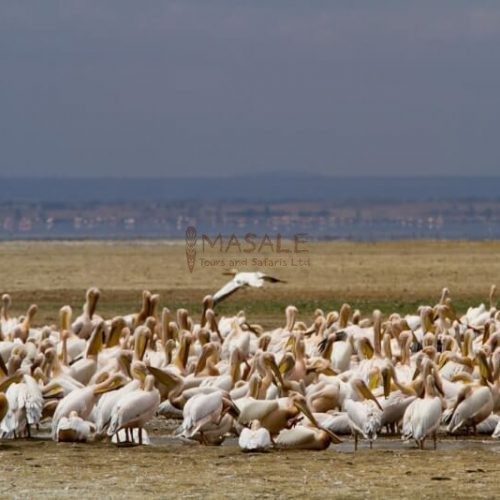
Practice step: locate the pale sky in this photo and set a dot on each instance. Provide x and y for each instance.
(227, 87)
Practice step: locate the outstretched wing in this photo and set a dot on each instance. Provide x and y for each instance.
(227, 290)
(271, 279)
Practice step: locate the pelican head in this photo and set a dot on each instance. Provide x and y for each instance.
(65, 317)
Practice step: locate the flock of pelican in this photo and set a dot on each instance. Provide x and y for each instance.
(301, 385)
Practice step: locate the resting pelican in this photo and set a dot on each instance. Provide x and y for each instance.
(204, 409)
(255, 438)
(312, 437)
(254, 279)
(73, 429)
(83, 400)
(135, 409)
(423, 416)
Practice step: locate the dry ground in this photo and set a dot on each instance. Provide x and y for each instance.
(43, 469)
(391, 276)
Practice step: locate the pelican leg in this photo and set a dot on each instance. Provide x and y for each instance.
(371, 444)
(355, 441)
(117, 438)
(140, 435)
(28, 430)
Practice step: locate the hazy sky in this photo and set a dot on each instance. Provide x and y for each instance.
(218, 87)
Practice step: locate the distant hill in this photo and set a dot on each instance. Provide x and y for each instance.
(266, 188)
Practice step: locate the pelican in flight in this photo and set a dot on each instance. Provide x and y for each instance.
(240, 280)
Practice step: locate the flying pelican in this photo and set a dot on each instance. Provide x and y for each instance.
(254, 279)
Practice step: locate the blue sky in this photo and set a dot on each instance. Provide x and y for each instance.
(187, 88)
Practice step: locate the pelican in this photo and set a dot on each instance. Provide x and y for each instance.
(105, 406)
(83, 400)
(73, 429)
(255, 438)
(365, 417)
(312, 437)
(7, 323)
(25, 402)
(474, 402)
(86, 322)
(136, 319)
(134, 409)
(204, 409)
(243, 279)
(422, 417)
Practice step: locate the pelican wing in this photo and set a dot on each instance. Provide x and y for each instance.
(423, 418)
(254, 440)
(254, 409)
(470, 407)
(227, 290)
(364, 418)
(201, 409)
(296, 437)
(134, 409)
(272, 279)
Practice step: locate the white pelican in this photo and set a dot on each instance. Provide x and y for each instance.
(83, 400)
(301, 437)
(25, 408)
(73, 429)
(202, 410)
(134, 409)
(86, 322)
(7, 323)
(107, 402)
(422, 417)
(253, 279)
(255, 438)
(364, 416)
(474, 402)
(83, 369)
(136, 319)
